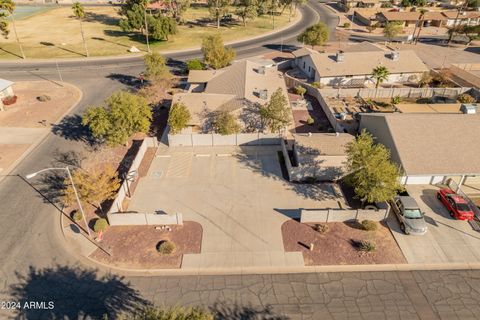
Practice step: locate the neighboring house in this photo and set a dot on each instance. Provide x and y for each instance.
(355, 68)
(407, 18)
(430, 148)
(239, 89)
(471, 18)
(366, 17)
(318, 156)
(346, 5)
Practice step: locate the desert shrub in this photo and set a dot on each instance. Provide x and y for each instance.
(300, 90)
(77, 216)
(321, 228)
(369, 225)
(367, 246)
(9, 100)
(195, 64)
(465, 98)
(44, 98)
(173, 313)
(396, 100)
(346, 25)
(166, 247)
(100, 225)
(316, 84)
(310, 121)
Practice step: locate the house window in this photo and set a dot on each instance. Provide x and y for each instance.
(303, 64)
(308, 69)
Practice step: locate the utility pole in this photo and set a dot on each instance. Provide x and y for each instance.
(146, 28)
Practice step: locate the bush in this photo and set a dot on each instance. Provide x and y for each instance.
(465, 98)
(300, 90)
(173, 313)
(346, 25)
(396, 100)
(9, 100)
(77, 216)
(386, 5)
(195, 64)
(321, 228)
(369, 225)
(100, 225)
(367, 246)
(166, 247)
(310, 121)
(44, 98)
(316, 84)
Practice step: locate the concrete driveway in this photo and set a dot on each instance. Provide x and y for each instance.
(447, 240)
(239, 197)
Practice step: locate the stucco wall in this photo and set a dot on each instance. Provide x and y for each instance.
(341, 215)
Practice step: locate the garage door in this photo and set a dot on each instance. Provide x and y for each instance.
(418, 179)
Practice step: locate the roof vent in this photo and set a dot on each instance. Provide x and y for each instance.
(394, 55)
(468, 108)
(261, 70)
(263, 94)
(340, 56)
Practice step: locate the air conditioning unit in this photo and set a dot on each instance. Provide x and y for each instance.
(394, 55)
(261, 70)
(468, 108)
(340, 56)
(263, 94)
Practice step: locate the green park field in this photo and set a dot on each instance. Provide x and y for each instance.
(55, 33)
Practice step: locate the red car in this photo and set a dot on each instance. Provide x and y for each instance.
(455, 204)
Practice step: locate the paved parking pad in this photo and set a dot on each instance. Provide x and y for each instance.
(239, 197)
(447, 240)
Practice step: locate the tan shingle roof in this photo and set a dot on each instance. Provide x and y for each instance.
(465, 15)
(202, 76)
(327, 66)
(201, 104)
(429, 144)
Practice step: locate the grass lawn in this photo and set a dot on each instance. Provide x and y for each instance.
(56, 34)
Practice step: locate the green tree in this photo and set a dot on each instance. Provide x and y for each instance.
(135, 17)
(79, 13)
(215, 54)
(160, 26)
(276, 114)
(93, 186)
(218, 8)
(195, 64)
(315, 35)
(178, 118)
(174, 313)
(425, 80)
(156, 67)
(225, 123)
(122, 115)
(7, 7)
(300, 90)
(247, 10)
(380, 74)
(374, 177)
(392, 29)
(177, 8)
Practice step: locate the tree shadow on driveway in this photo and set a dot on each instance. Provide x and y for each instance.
(77, 293)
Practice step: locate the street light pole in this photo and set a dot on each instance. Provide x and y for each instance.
(29, 176)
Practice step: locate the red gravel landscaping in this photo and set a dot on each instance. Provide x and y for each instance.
(338, 246)
(134, 247)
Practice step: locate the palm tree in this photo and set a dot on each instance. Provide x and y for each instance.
(79, 13)
(9, 6)
(380, 74)
(422, 17)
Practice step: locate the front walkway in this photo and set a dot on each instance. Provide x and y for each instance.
(239, 197)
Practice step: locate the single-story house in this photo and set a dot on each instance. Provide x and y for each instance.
(407, 18)
(366, 17)
(471, 18)
(430, 148)
(238, 89)
(344, 69)
(318, 156)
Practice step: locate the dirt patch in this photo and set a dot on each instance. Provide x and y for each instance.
(29, 112)
(338, 246)
(300, 117)
(135, 246)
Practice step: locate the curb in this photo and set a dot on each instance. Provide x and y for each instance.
(42, 138)
(298, 18)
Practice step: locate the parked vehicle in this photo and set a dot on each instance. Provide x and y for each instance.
(456, 205)
(409, 215)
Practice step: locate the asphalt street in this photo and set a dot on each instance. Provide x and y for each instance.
(36, 266)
